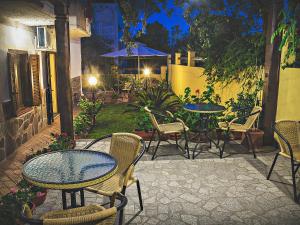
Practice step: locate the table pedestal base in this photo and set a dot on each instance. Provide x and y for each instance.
(73, 198)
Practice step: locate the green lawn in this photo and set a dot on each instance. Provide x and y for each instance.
(113, 118)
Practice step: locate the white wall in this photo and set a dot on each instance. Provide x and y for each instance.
(12, 37)
(75, 57)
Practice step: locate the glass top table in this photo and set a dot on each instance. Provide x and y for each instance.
(205, 111)
(69, 169)
(207, 108)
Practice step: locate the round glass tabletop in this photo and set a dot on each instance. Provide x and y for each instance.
(204, 108)
(69, 169)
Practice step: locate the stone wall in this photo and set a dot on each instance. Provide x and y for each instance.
(18, 130)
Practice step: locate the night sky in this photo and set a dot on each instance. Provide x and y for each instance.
(169, 22)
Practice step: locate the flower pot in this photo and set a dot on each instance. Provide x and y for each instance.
(256, 136)
(40, 198)
(146, 135)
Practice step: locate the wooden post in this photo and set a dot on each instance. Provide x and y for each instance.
(63, 67)
(272, 70)
(191, 58)
(177, 58)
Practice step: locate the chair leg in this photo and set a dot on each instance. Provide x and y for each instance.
(176, 140)
(250, 144)
(152, 136)
(122, 210)
(294, 181)
(187, 144)
(153, 156)
(226, 140)
(272, 167)
(140, 194)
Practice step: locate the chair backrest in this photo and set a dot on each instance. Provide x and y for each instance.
(152, 117)
(253, 116)
(96, 216)
(288, 130)
(92, 215)
(125, 147)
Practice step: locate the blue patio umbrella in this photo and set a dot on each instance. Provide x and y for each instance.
(140, 50)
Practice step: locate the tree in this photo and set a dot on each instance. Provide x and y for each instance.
(227, 35)
(156, 36)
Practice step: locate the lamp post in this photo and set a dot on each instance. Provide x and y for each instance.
(147, 72)
(93, 82)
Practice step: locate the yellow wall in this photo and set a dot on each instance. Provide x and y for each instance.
(185, 76)
(288, 106)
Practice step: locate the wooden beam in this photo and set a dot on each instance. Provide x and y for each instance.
(63, 68)
(272, 70)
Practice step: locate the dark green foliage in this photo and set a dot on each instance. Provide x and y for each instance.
(60, 142)
(158, 97)
(156, 36)
(11, 204)
(143, 121)
(226, 35)
(244, 103)
(83, 122)
(289, 30)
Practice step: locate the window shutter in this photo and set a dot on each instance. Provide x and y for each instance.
(12, 105)
(35, 73)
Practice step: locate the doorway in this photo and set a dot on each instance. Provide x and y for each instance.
(51, 86)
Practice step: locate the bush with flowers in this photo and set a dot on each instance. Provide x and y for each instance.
(12, 203)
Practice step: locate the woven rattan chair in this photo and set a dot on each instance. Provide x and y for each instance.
(165, 129)
(127, 149)
(91, 215)
(228, 127)
(287, 135)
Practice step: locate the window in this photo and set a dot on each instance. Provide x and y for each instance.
(24, 81)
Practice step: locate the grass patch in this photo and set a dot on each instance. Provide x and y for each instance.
(113, 118)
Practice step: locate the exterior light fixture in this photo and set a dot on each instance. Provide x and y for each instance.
(147, 71)
(92, 81)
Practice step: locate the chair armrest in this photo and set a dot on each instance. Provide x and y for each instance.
(96, 140)
(181, 121)
(28, 220)
(285, 141)
(170, 114)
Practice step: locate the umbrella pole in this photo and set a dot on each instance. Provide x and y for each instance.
(139, 67)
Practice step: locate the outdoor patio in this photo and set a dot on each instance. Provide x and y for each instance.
(207, 190)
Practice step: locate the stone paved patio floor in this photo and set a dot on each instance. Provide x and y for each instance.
(207, 190)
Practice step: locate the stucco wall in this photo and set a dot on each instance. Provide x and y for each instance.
(75, 66)
(289, 95)
(12, 37)
(185, 76)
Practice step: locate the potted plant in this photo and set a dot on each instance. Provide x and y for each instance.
(12, 203)
(144, 125)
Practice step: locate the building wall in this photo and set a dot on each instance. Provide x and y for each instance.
(75, 66)
(17, 130)
(12, 36)
(289, 94)
(182, 77)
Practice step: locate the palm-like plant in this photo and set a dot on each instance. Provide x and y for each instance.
(156, 97)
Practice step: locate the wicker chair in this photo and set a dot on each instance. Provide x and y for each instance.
(127, 149)
(228, 127)
(287, 135)
(176, 127)
(91, 215)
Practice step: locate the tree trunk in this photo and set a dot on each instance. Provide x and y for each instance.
(63, 68)
(272, 70)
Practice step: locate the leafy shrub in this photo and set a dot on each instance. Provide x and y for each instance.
(156, 97)
(82, 124)
(89, 108)
(143, 121)
(60, 142)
